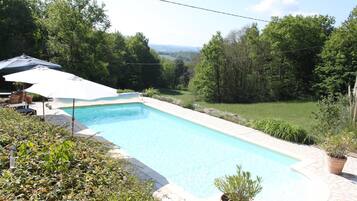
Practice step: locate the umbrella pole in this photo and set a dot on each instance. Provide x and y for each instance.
(73, 117)
(43, 108)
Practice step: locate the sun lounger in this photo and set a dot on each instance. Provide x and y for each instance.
(22, 108)
(17, 105)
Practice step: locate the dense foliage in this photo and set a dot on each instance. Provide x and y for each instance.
(208, 78)
(250, 66)
(336, 125)
(296, 42)
(339, 58)
(18, 28)
(240, 186)
(283, 130)
(176, 74)
(52, 166)
(333, 116)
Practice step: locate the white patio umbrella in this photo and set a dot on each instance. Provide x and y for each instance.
(36, 75)
(73, 88)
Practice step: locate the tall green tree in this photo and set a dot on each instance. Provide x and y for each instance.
(296, 42)
(175, 74)
(181, 74)
(339, 58)
(76, 31)
(117, 58)
(208, 75)
(247, 76)
(168, 72)
(17, 29)
(143, 63)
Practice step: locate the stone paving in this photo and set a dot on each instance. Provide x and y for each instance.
(329, 187)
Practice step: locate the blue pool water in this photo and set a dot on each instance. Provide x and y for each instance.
(190, 155)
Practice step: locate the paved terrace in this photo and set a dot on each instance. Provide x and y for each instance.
(313, 164)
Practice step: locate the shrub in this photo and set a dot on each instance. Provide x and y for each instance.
(150, 92)
(124, 91)
(338, 145)
(50, 165)
(239, 187)
(283, 130)
(189, 103)
(333, 116)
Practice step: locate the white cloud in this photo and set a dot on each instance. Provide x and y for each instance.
(289, 2)
(264, 5)
(275, 7)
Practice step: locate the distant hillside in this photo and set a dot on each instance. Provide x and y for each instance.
(187, 57)
(174, 48)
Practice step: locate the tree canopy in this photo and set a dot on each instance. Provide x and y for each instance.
(207, 80)
(339, 58)
(277, 63)
(17, 27)
(296, 42)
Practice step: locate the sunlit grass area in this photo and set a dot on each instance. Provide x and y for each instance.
(295, 112)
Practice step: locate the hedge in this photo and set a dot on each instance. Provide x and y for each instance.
(283, 130)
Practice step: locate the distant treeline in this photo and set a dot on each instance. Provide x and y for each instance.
(294, 57)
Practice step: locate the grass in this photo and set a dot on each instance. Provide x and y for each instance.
(295, 112)
(178, 94)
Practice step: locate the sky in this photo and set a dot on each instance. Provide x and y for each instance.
(169, 24)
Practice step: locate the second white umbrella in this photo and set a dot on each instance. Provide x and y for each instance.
(73, 88)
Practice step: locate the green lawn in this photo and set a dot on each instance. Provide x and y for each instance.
(178, 94)
(295, 112)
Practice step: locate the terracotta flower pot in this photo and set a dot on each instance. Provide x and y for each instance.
(336, 164)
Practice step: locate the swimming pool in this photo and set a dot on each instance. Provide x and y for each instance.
(190, 155)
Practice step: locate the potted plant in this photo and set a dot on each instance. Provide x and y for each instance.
(238, 187)
(337, 147)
